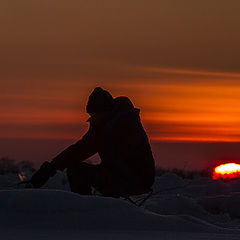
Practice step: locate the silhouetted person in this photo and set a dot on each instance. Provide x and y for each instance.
(117, 135)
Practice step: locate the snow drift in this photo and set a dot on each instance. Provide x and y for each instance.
(59, 209)
(184, 209)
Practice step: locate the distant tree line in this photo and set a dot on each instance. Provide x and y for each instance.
(9, 165)
(183, 173)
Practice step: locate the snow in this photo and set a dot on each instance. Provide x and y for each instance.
(179, 209)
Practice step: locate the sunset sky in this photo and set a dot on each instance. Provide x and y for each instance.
(178, 61)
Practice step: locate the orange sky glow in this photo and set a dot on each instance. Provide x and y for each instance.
(178, 61)
(172, 109)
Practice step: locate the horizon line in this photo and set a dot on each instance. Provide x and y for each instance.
(184, 140)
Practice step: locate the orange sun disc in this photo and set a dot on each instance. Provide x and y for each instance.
(226, 171)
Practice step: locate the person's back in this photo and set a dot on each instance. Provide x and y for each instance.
(124, 146)
(117, 135)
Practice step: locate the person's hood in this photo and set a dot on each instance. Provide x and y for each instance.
(123, 104)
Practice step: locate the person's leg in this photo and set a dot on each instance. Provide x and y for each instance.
(108, 182)
(81, 178)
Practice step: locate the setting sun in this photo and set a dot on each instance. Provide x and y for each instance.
(227, 171)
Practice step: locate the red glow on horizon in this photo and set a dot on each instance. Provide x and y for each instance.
(226, 171)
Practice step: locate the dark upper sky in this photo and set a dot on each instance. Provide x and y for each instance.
(171, 33)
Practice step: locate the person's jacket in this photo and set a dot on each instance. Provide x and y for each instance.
(121, 142)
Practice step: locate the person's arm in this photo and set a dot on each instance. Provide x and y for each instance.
(80, 151)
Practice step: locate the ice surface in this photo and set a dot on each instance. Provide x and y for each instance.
(179, 209)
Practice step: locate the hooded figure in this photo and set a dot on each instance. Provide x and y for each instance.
(117, 135)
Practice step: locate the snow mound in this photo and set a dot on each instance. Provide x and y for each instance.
(168, 181)
(222, 204)
(54, 209)
(182, 205)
